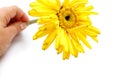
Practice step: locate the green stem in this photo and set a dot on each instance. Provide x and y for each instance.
(32, 22)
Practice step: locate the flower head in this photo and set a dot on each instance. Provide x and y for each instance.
(67, 23)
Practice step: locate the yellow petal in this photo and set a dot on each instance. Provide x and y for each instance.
(75, 51)
(58, 3)
(48, 27)
(52, 4)
(64, 40)
(74, 36)
(60, 49)
(70, 45)
(48, 19)
(75, 29)
(87, 13)
(66, 3)
(66, 55)
(94, 38)
(59, 45)
(89, 32)
(40, 34)
(35, 13)
(57, 41)
(77, 43)
(83, 39)
(78, 4)
(94, 29)
(89, 8)
(50, 38)
(83, 18)
(80, 1)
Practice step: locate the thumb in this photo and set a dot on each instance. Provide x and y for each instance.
(15, 28)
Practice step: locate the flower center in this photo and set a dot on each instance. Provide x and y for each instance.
(67, 18)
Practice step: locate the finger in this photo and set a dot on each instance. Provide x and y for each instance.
(15, 28)
(13, 12)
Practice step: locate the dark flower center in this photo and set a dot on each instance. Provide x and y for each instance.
(67, 17)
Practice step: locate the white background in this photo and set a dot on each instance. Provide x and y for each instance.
(26, 61)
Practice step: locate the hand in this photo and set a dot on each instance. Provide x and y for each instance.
(12, 21)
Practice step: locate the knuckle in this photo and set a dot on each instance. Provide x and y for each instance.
(14, 7)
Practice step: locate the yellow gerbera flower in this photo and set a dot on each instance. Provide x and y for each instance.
(67, 23)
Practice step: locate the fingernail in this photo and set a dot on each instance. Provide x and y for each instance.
(23, 25)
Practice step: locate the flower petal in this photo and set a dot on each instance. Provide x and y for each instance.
(83, 39)
(50, 38)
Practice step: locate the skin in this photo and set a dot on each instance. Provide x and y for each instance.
(12, 22)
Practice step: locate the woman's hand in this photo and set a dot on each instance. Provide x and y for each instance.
(12, 21)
